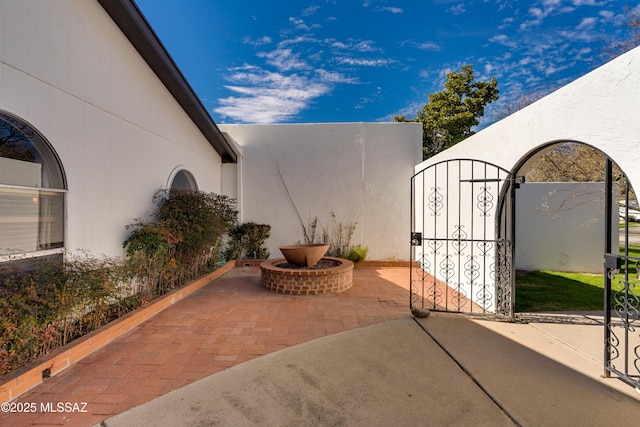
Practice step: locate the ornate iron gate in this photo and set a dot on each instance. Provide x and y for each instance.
(622, 308)
(462, 238)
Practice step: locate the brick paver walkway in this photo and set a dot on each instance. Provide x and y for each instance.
(227, 322)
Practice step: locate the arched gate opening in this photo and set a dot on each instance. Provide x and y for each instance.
(463, 242)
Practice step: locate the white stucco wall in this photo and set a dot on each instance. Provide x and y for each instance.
(600, 109)
(360, 171)
(67, 70)
(561, 227)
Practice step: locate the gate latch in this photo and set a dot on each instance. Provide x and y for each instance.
(612, 261)
(416, 239)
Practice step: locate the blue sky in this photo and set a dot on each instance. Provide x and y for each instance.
(310, 61)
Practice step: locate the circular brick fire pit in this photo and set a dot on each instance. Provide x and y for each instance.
(331, 275)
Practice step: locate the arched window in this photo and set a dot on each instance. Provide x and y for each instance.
(32, 189)
(183, 181)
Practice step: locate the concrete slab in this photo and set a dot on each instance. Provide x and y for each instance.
(445, 370)
(386, 374)
(532, 388)
(574, 339)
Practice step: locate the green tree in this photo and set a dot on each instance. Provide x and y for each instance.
(451, 114)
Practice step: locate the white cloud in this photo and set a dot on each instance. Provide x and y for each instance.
(585, 53)
(587, 23)
(365, 46)
(587, 3)
(607, 15)
(503, 40)
(354, 45)
(428, 46)
(392, 9)
(584, 31)
(284, 60)
(374, 97)
(310, 10)
(506, 23)
(554, 68)
(432, 46)
(257, 42)
(296, 40)
(299, 23)
(266, 97)
(334, 77)
(458, 9)
(546, 8)
(363, 61)
(488, 68)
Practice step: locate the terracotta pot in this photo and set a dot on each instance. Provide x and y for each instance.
(307, 254)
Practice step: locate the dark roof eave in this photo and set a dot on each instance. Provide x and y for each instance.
(136, 28)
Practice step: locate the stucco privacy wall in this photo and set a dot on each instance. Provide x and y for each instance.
(66, 68)
(561, 226)
(360, 171)
(600, 109)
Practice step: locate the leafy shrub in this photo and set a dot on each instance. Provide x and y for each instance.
(151, 249)
(338, 236)
(201, 220)
(181, 240)
(357, 253)
(247, 240)
(45, 309)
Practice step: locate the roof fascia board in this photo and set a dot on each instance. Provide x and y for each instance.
(136, 28)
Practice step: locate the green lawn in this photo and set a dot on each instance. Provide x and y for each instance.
(559, 291)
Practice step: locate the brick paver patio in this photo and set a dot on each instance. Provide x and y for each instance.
(229, 321)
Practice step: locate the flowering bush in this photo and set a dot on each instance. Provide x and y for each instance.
(45, 309)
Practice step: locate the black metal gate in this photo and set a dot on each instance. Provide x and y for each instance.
(462, 238)
(622, 307)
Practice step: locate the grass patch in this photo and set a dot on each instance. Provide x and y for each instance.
(559, 291)
(632, 224)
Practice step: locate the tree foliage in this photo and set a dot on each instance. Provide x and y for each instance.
(575, 162)
(451, 114)
(614, 47)
(570, 162)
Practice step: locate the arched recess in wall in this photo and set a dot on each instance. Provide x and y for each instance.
(32, 196)
(607, 205)
(562, 221)
(182, 180)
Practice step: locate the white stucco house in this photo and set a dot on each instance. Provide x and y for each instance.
(95, 117)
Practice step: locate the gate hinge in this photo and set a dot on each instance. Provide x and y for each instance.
(517, 180)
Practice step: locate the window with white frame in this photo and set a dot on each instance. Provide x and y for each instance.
(32, 194)
(184, 181)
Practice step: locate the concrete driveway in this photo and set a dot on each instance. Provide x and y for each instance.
(445, 370)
